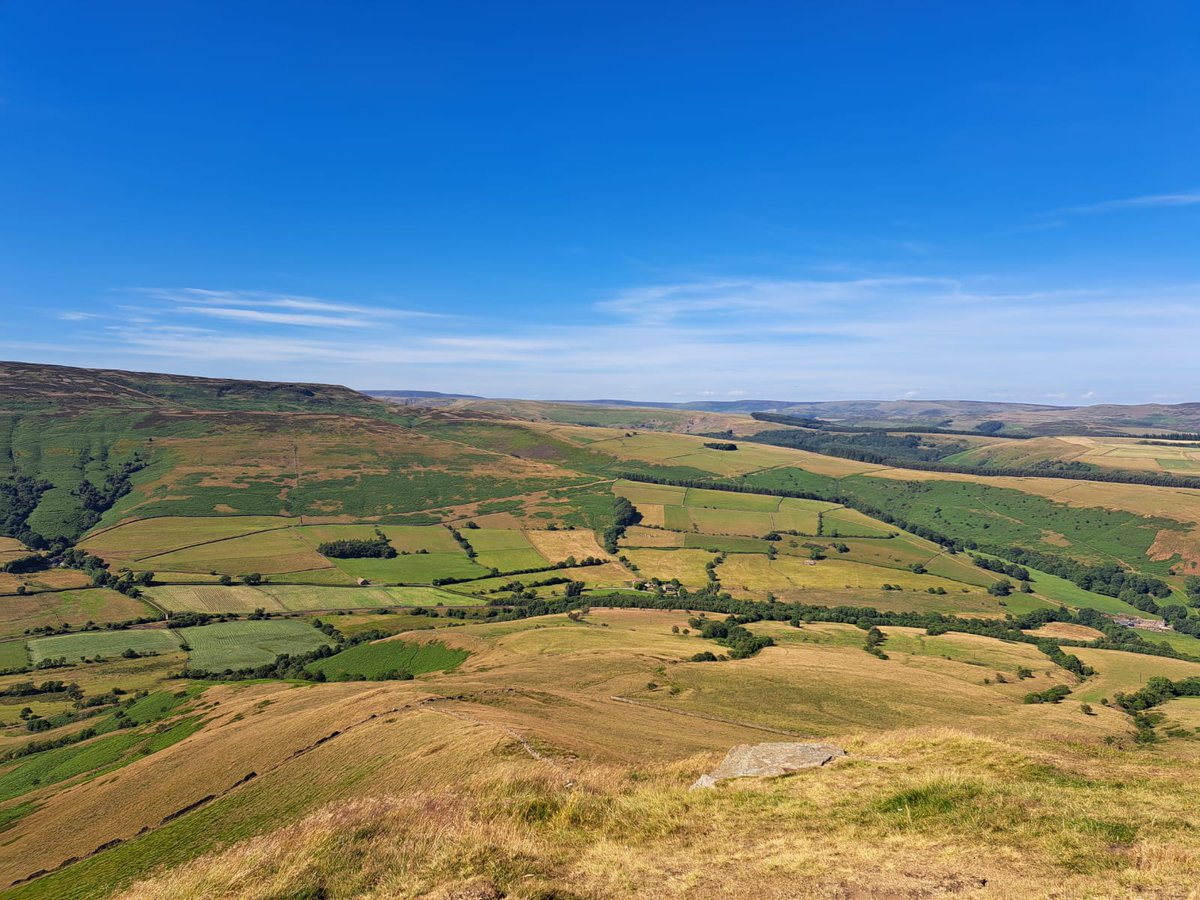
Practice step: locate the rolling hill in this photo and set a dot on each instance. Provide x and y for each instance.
(265, 640)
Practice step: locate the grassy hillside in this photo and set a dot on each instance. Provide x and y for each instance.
(311, 644)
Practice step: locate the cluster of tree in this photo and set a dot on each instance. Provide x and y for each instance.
(1068, 661)
(19, 497)
(1158, 690)
(97, 569)
(517, 587)
(624, 515)
(1191, 587)
(95, 500)
(462, 541)
(1165, 440)
(720, 445)
(22, 565)
(1002, 567)
(731, 633)
(875, 639)
(1109, 579)
(1054, 694)
(379, 548)
(29, 689)
(878, 447)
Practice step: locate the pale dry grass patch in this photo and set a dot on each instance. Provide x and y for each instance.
(912, 813)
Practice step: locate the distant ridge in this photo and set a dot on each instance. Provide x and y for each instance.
(420, 395)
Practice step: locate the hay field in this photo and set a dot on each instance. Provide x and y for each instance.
(49, 580)
(90, 644)
(294, 598)
(269, 552)
(237, 645)
(557, 546)
(75, 607)
(750, 573)
(686, 565)
(140, 538)
(413, 568)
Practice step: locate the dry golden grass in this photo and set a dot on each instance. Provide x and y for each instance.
(914, 813)
(50, 580)
(1068, 631)
(558, 545)
(637, 536)
(529, 768)
(268, 552)
(686, 565)
(751, 572)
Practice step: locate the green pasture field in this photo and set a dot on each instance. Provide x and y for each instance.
(486, 539)
(238, 645)
(1120, 671)
(677, 518)
(432, 538)
(846, 522)
(332, 576)
(380, 657)
(504, 549)
(419, 568)
(698, 497)
(636, 492)
(13, 655)
(1069, 594)
(1184, 643)
(108, 644)
(512, 560)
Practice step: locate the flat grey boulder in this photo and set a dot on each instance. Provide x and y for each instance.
(769, 760)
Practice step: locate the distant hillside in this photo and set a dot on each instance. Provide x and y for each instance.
(1029, 418)
(419, 395)
(31, 386)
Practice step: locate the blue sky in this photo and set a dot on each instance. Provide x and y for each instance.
(640, 200)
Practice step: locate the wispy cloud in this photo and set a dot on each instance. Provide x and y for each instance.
(230, 304)
(1149, 201)
(264, 316)
(880, 337)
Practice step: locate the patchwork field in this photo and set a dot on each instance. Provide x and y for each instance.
(296, 598)
(141, 783)
(1137, 454)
